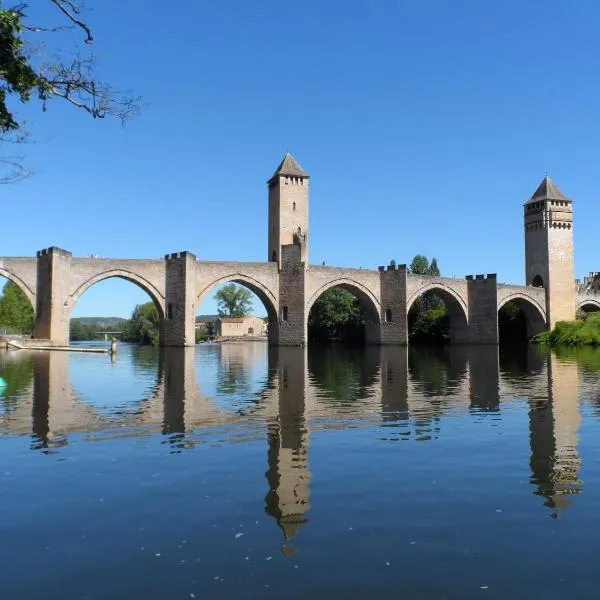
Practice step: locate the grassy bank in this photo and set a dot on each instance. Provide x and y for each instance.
(573, 333)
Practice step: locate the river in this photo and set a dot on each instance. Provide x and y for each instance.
(242, 471)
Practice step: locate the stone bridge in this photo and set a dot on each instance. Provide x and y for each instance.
(289, 285)
(178, 284)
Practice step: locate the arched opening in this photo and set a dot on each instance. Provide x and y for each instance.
(519, 319)
(236, 307)
(114, 305)
(17, 315)
(343, 312)
(537, 281)
(586, 308)
(437, 315)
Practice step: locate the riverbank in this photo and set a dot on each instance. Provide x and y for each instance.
(585, 332)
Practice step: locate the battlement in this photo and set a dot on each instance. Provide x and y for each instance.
(383, 269)
(481, 277)
(180, 255)
(53, 250)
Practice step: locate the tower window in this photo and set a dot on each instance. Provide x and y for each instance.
(388, 315)
(537, 281)
(284, 313)
(170, 311)
(294, 206)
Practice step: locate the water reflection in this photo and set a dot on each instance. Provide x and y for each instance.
(285, 395)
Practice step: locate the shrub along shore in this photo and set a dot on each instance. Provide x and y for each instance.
(585, 332)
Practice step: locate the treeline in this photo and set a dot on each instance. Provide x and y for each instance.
(141, 328)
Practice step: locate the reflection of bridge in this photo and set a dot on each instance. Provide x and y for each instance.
(288, 284)
(302, 396)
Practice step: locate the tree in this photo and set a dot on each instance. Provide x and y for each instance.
(28, 72)
(144, 325)
(433, 270)
(336, 316)
(419, 265)
(234, 301)
(16, 312)
(210, 329)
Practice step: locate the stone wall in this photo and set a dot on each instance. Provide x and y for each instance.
(483, 310)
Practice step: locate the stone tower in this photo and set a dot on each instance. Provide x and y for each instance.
(549, 259)
(288, 208)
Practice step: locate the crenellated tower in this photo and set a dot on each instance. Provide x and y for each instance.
(288, 209)
(549, 261)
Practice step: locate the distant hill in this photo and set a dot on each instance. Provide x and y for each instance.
(100, 321)
(206, 318)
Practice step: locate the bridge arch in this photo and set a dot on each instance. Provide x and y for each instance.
(149, 288)
(266, 296)
(368, 301)
(588, 305)
(21, 284)
(535, 314)
(458, 311)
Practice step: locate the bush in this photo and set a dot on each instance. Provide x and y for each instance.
(573, 333)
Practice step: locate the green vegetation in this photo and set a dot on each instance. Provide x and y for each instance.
(428, 319)
(28, 71)
(79, 331)
(573, 333)
(234, 301)
(16, 312)
(144, 325)
(336, 316)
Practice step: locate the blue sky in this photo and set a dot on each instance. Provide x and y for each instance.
(424, 127)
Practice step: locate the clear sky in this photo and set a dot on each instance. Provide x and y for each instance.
(424, 125)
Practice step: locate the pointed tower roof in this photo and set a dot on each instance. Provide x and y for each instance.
(547, 190)
(289, 166)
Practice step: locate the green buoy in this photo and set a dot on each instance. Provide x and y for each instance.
(3, 383)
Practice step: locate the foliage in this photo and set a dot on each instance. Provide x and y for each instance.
(430, 324)
(573, 333)
(428, 318)
(27, 71)
(211, 329)
(336, 316)
(16, 312)
(144, 325)
(234, 301)
(82, 331)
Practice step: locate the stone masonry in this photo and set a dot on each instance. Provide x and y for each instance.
(288, 285)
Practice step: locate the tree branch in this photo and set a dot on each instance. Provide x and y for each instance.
(70, 9)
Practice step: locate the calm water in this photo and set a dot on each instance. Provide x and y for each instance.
(235, 471)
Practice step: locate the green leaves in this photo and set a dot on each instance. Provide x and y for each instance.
(336, 316)
(144, 325)
(16, 312)
(234, 301)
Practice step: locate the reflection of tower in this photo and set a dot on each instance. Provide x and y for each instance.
(288, 474)
(394, 383)
(54, 408)
(549, 259)
(484, 379)
(177, 366)
(553, 426)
